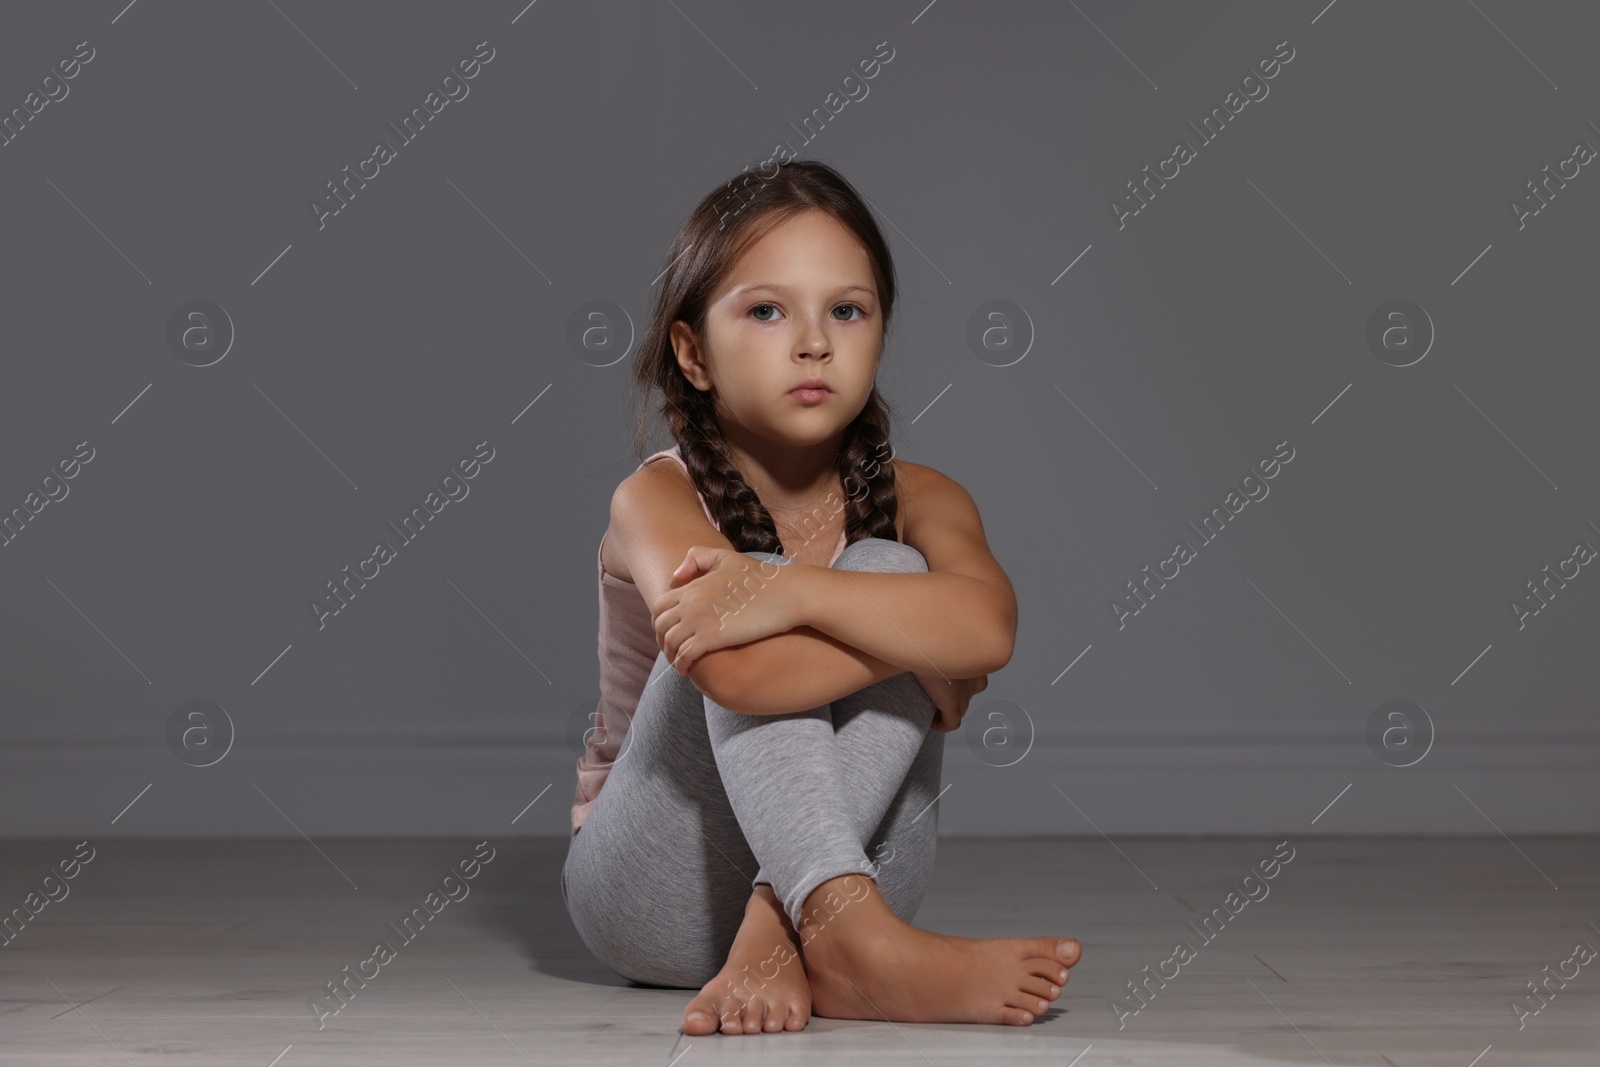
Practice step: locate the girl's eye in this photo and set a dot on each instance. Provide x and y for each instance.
(860, 311)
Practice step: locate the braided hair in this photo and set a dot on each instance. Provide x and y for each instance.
(721, 226)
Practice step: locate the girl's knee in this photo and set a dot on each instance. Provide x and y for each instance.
(880, 554)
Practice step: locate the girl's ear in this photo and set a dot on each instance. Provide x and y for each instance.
(686, 349)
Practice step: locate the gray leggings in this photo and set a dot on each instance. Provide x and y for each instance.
(703, 803)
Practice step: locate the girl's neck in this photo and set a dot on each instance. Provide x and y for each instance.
(789, 480)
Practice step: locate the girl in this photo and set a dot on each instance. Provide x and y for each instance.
(818, 614)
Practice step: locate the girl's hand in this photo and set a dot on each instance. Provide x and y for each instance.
(951, 697)
(720, 598)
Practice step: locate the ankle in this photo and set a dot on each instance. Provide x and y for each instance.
(763, 900)
(849, 902)
(764, 913)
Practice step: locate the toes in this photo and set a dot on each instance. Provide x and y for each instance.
(700, 1017)
(798, 1017)
(1062, 951)
(1051, 970)
(753, 1015)
(1041, 988)
(775, 1017)
(1013, 1016)
(1027, 1004)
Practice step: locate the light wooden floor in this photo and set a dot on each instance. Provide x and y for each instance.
(1397, 951)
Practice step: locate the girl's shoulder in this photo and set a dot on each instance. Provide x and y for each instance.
(905, 470)
(913, 480)
(911, 484)
(929, 498)
(942, 522)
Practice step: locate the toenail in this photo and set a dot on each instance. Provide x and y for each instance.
(1063, 976)
(1055, 991)
(1064, 949)
(1027, 1017)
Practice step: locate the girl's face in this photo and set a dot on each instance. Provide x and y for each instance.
(800, 303)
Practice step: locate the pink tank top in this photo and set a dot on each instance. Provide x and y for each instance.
(628, 652)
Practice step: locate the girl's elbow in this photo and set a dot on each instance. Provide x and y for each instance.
(742, 683)
(1000, 658)
(708, 676)
(718, 675)
(1006, 628)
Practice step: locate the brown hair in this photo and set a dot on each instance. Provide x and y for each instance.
(720, 227)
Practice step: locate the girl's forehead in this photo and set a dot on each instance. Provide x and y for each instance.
(817, 232)
(804, 254)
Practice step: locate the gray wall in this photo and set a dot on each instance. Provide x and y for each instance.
(1141, 368)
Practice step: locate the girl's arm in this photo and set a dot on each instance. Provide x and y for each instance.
(959, 620)
(788, 672)
(656, 518)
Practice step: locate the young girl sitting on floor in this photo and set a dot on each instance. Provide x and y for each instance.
(790, 622)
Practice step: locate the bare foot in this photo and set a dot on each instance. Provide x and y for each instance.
(864, 962)
(763, 985)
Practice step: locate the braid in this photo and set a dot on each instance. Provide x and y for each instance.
(864, 467)
(867, 475)
(742, 517)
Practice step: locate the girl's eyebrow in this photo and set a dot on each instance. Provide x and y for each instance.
(784, 289)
